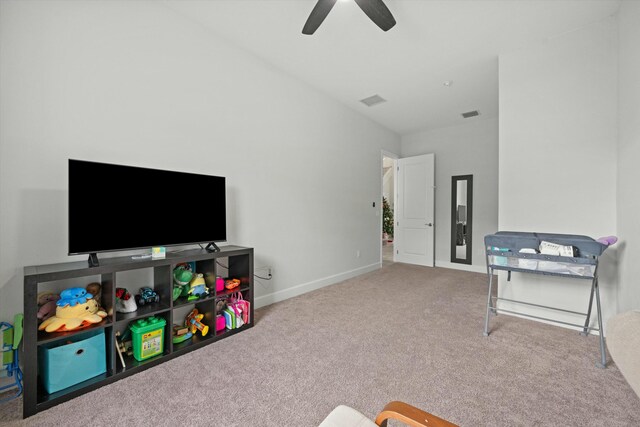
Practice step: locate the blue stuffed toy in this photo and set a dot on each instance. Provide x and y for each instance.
(73, 296)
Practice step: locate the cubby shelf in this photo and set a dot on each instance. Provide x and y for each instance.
(195, 341)
(143, 311)
(183, 301)
(134, 365)
(47, 400)
(238, 264)
(47, 337)
(227, 292)
(228, 332)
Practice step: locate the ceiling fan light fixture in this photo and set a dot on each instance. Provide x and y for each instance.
(376, 10)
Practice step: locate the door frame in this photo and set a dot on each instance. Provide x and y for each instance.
(395, 157)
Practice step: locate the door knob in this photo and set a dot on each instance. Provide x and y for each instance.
(429, 224)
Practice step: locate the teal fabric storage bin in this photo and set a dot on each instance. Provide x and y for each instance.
(63, 365)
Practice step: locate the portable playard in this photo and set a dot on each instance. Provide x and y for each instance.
(10, 337)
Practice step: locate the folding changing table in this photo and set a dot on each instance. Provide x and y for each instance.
(503, 253)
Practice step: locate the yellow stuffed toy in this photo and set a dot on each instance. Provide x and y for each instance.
(76, 312)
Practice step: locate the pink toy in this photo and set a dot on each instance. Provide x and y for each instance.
(608, 241)
(219, 284)
(220, 323)
(47, 304)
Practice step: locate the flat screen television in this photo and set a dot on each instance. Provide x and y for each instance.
(117, 207)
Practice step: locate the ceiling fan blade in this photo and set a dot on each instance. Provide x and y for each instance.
(378, 12)
(319, 12)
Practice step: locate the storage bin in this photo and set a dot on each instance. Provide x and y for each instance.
(64, 364)
(147, 337)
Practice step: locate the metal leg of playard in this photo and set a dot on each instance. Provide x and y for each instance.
(585, 330)
(486, 320)
(603, 358)
(595, 290)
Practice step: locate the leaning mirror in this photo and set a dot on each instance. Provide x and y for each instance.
(461, 218)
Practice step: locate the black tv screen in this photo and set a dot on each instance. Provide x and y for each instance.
(115, 207)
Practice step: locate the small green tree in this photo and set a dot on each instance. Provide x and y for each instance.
(387, 217)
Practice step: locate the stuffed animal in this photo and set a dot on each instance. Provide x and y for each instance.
(197, 287)
(70, 317)
(73, 296)
(95, 289)
(124, 302)
(47, 304)
(182, 276)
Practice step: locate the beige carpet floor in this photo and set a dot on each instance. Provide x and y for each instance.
(402, 333)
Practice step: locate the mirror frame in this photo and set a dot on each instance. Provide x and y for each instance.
(454, 207)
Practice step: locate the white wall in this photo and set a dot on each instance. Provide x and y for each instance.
(558, 137)
(461, 150)
(628, 155)
(134, 83)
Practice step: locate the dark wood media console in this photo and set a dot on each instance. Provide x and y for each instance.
(111, 273)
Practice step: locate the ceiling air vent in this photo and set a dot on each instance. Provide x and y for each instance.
(373, 100)
(469, 114)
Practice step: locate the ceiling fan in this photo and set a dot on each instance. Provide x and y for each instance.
(376, 10)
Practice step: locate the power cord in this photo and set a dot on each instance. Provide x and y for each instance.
(269, 277)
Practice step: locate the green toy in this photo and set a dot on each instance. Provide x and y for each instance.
(177, 290)
(10, 337)
(182, 275)
(182, 338)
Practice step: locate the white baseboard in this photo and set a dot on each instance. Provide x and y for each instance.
(303, 288)
(464, 267)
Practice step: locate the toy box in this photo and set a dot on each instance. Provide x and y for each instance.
(64, 364)
(147, 337)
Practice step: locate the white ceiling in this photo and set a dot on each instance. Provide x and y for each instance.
(349, 58)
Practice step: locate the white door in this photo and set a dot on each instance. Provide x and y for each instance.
(415, 225)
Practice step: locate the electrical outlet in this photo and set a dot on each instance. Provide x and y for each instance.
(358, 253)
(265, 270)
